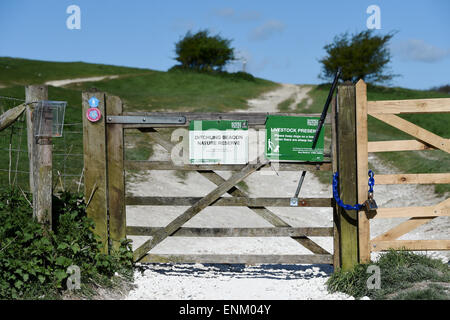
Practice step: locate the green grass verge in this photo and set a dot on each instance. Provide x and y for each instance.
(403, 275)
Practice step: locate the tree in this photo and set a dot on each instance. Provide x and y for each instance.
(203, 52)
(361, 56)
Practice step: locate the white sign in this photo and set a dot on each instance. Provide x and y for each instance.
(218, 142)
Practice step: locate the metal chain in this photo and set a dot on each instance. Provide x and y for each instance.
(338, 199)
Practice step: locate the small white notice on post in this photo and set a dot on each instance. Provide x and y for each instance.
(218, 142)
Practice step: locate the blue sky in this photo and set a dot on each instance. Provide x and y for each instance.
(281, 40)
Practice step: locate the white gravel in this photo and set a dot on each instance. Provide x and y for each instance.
(233, 282)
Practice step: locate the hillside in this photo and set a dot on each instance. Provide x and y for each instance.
(140, 89)
(150, 90)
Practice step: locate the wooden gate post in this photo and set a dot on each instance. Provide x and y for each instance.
(95, 164)
(40, 159)
(362, 170)
(347, 168)
(116, 182)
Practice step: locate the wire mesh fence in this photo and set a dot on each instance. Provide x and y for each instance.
(14, 161)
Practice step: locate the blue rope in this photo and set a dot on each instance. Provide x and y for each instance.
(338, 199)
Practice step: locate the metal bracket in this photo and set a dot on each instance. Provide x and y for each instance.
(293, 202)
(146, 119)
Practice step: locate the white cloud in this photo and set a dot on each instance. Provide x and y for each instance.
(231, 14)
(419, 50)
(267, 30)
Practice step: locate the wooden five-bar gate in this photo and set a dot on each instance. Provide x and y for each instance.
(105, 168)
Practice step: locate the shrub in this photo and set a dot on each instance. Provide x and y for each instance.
(361, 56)
(34, 264)
(201, 51)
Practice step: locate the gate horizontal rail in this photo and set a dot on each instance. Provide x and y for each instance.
(280, 166)
(239, 258)
(228, 201)
(237, 232)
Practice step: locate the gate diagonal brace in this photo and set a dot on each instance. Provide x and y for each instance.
(263, 212)
(172, 227)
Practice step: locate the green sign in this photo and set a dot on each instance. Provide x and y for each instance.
(218, 142)
(290, 139)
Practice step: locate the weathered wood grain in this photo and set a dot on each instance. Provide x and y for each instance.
(239, 258)
(227, 201)
(347, 167)
(116, 174)
(437, 105)
(10, 116)
(236, 232)
(362, 163)
(95, 164)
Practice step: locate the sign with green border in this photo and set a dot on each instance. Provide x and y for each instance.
(289, 138)
(218, 142)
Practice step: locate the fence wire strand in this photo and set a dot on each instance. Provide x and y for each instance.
(14, 160)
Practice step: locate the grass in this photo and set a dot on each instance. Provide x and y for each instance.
(140, 89)
(430, 161)
(403, 275)
(15, 71)
(283, 106)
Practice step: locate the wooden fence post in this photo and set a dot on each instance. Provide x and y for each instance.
(362, 170)
(116, 182)
(40, 159)
(334, 160)
(347, 168)
(95, 173)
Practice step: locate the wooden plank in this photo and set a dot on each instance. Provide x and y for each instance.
(158, 138)
(168, 165)
(437, 105)
(410, 212)
(236, 232)
(398, 145)
(195, 209)
(334, 157)
(362, 170)
(40, 157)
(239, 258)
(11, 115)
(415, 131)
(116, 181)
(347, 165)
(413, 245)
(95, 162)
(417, 178)
(33, 94)
(403, 228)
(227, 201)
